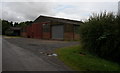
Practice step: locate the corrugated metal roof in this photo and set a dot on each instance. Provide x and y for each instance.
(52, 19)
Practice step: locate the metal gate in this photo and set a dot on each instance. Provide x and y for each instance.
(57, 32)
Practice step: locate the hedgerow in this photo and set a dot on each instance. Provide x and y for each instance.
(101, 35)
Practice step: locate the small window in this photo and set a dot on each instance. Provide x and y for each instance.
(46, 28)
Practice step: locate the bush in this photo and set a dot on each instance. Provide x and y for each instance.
(101, 35)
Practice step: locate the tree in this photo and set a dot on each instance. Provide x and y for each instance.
(16, 24)
(11, 23)
(5, 26)
(22, 24)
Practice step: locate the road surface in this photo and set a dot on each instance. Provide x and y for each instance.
(19, 59)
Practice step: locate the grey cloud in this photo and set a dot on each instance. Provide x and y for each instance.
(26, 10)
(23, 11)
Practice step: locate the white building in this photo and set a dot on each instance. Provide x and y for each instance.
(119, 8)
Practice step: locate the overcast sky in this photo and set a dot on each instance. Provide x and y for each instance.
(18, 11)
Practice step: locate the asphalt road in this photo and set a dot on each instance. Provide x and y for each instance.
(22, 54)
(18, 59)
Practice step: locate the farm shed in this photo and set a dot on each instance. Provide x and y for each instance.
(45, 27)
(13, 31)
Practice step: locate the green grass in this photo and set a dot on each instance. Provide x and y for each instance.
(71, 57)
(11, 36)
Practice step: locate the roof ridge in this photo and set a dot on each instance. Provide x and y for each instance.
(69, 21)
(58, 18)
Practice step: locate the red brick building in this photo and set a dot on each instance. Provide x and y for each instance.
(45, 27)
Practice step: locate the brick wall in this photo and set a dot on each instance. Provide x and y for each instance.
(23, 34)
(46, 35)
(36, 30)
(76, 36)
(68, 36)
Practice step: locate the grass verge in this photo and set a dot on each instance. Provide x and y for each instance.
(81, 60)
(11, 36)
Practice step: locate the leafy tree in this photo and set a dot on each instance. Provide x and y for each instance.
(16, 24)
(5, 26)
(22, 24)
(11, 23)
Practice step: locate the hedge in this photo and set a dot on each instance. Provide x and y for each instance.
(101, 35)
